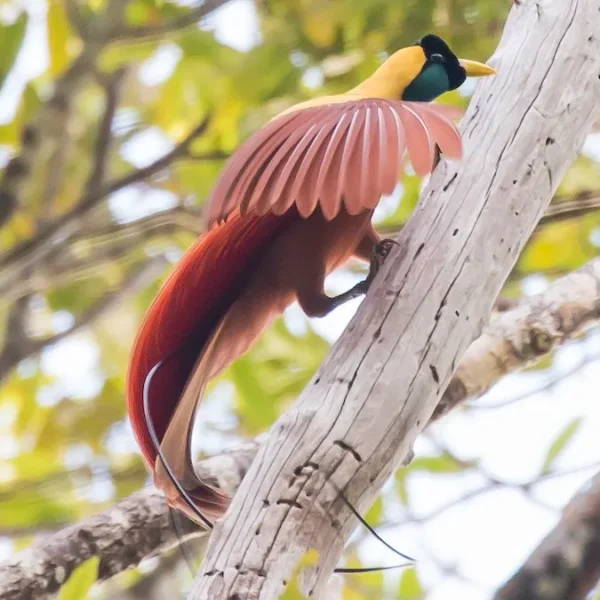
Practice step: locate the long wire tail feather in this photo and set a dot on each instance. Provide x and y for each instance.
(192, 505)
(159, 452)
(366, 525)
(358, 570)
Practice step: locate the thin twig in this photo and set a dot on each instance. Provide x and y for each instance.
(27, 254)
(76, 18)
(188, 19)
(89, 254)
(112, 85)
(134, 281)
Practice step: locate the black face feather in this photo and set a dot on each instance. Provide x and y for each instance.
(440, 73)
(438, 52)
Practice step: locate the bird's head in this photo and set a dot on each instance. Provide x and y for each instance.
(422, 72)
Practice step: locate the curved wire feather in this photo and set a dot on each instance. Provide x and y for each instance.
(198, 513)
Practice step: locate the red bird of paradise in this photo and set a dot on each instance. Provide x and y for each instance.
(292, 204)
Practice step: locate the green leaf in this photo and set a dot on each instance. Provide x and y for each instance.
(560, 443)
(62, 44)
(81, 580)
(410, 587)
(11, 38)
(445, 463)
(373, 517)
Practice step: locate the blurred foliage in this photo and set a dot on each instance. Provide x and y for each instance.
(65, 446)
(81, 580)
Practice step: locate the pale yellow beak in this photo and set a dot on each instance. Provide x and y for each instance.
(476, 69)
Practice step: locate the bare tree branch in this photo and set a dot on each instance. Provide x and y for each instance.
(76, 18)
(89, 254)
(137, 279)
(192, 17)
(576, 206)
(26, 255)
(566, 564)
(561, 209)
(112, 85)
(524, 335)
(42, 136)
(228, 469)
(131, 530)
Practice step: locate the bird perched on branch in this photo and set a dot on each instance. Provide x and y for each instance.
(293, 203)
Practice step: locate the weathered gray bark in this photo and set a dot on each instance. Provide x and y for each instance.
(122, 536)
(566, 564)
(356, 421)
(524, 335)
(516, 339)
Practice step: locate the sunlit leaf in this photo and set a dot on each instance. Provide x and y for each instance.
(410, 587)
(81, 581)
(62, 44)
(445, 463)
(560, 443)
(375, 513)
(11, 38)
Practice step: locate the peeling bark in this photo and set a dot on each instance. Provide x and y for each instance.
(524, 335)
(133, 529)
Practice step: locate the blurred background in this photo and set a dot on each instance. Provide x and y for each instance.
(98, 227)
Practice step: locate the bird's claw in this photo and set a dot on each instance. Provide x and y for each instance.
(380, 253)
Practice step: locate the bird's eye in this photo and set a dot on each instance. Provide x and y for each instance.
(437, 58)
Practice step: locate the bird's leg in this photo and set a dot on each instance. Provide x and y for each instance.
(318, 305)
(310, 294)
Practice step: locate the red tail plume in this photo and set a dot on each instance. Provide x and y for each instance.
(189, 305)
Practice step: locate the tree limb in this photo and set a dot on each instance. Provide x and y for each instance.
(26, 255)
(561, 209)
(42, 136)
(566, 564)
(112, 84)
(576, 206)
(188, 19)
(76, 18)
(91, 252)
(524, 335)
(227, 470)
(138, 278)
(131, 530)
(356, 421)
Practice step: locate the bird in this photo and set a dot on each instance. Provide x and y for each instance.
(292, 203)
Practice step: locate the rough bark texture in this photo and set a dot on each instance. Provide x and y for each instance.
(566, 565)
(356, 421)
(122, 536)
(569, 305)
(525, 334)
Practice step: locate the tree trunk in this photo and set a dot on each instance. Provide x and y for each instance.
(566, 564)
(356, 421)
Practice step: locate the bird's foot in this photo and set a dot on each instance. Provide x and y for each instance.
(380, 253)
